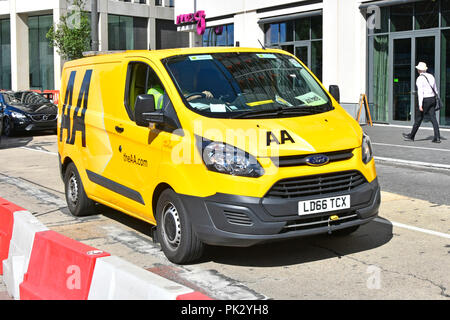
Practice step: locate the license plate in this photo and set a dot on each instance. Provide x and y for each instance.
(323, 205)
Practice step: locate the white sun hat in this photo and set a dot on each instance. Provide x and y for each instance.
(422, 66)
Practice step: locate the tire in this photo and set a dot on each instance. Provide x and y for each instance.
(174, 230)
(345, 232)
(8, 130)
(77, 201)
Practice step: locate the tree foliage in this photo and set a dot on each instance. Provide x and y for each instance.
(72, 35)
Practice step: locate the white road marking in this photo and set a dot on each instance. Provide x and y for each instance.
(39, 150)
(409, 127)
(410, 147)
(415, 163)
(405, 226)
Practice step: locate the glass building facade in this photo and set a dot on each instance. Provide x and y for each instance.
(404, 36)
(127, 33)
(5, 54)
(220, 36)
(41, 54)
(302, 37)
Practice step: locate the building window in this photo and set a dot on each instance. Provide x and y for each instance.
(169, 3)
(41, 54)
(302, 37)
(127, 33)
(5, 54)
(219, 36)
(405, 35)
(168, 37)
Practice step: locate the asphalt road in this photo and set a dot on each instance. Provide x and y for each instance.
(418, 175)
(404, 254)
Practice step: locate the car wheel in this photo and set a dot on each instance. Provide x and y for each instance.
(174, 230)
(7, 127)
(77, 201)
(345, 232)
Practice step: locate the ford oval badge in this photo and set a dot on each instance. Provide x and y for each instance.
(317, 160)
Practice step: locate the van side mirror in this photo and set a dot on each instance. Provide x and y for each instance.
(335, 93)
(144, 111)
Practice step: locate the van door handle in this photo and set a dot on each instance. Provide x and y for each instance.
(119, 129)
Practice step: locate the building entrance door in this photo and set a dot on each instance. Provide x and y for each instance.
(406, 51)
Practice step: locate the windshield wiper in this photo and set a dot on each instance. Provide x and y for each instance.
(307, 110)
(257, 113)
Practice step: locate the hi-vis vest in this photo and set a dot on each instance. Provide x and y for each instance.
(158, 93)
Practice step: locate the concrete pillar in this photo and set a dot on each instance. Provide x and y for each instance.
(58, 60)
(195, 40)
(20, 66)
(103, 31)
(330, 42)
(151, 33)
(247, 30)
(344, 48)
(103, 25)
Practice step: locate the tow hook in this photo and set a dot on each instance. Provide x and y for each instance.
(331, 218)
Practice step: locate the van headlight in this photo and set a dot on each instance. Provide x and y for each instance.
(223, 158)
(366, 148)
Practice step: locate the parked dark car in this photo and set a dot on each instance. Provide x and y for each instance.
(1, 122)
(27, 111)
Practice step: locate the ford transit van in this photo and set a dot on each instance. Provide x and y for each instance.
(213, 146)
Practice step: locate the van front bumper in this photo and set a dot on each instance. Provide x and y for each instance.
(231, 220)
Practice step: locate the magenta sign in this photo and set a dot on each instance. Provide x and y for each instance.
(198, 17)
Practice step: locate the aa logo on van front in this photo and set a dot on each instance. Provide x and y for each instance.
(77, 121)
(284, 136)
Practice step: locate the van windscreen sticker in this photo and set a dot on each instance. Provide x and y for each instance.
(201, 57)
(295, 63)
(266, 56)
(218, 107)
(311, 99)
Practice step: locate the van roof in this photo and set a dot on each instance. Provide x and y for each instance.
(94, 57)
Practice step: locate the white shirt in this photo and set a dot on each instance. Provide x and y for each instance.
(424, 89)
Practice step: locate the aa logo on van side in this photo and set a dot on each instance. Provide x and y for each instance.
(78, 119)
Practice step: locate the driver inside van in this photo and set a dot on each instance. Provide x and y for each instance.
(198, 78)
(155, 89)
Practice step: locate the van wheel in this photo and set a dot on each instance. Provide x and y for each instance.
(77, 201)
(174, 230)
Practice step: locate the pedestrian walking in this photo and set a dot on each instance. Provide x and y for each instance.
(427, 94)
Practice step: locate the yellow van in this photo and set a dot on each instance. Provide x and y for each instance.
(213, 146)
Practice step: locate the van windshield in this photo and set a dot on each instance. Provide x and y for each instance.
(247, 85)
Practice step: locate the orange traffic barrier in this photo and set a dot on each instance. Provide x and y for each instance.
(54, 95)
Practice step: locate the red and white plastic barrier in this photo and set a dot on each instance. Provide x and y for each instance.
(117, 279)
(40, 264)
(24, 230)
(7, 210)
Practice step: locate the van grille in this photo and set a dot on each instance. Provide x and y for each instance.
(316, 185)
(300, 160)
(318, 222)
(238, 218)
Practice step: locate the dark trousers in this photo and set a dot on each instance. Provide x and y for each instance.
(429, 105)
